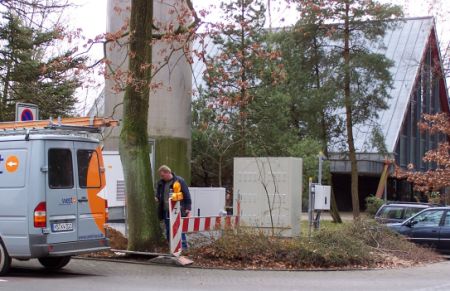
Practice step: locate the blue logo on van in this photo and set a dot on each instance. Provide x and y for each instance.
(68, 201)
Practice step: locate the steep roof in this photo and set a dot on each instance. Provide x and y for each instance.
(405, 45)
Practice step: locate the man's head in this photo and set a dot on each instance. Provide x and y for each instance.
(165, 173)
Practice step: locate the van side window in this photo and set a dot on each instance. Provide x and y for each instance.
(88, 169)
(60, 169)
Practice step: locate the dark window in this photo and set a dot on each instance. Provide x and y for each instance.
(392, 212)
(88, 169)
(447, 219)
(411, 211)
(431, 218)
(60, 169)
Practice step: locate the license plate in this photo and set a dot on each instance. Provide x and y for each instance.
(63, 226)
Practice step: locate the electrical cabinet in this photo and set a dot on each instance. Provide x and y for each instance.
(322, 196)
(207, 201)
(270, 193)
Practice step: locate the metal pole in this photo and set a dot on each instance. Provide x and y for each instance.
(317, 219)
(320, 168)
(310, 208)
(125, 210)
(387, 178)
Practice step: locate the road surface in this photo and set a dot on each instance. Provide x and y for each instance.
(96, 275)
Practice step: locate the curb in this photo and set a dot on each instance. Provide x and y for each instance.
(235, 269)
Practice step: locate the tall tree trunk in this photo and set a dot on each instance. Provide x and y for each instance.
(144, 230)
(349, 116)
(334, 211)
(3, 101)
(220, 171)
(244, 98)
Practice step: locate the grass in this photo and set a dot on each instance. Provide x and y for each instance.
(324, 225)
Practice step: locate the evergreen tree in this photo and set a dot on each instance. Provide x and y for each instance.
(308, 80)
(29, 74)
(213, 145)
(241, 67)
(240, 113)
(361, 76)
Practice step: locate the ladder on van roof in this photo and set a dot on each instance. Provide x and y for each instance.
(86, 124)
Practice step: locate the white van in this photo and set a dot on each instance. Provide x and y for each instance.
(51, 201)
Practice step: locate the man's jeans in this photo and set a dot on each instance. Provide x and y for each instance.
(184, 243)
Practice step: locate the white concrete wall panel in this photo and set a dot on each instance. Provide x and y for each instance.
(260, 182)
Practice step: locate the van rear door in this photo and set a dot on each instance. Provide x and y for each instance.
(90, 186)
(61, 195)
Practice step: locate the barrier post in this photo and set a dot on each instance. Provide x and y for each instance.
(175, 227)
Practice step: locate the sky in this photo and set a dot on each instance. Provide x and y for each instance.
(90, 17)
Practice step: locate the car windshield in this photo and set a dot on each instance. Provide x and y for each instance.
(392, 212)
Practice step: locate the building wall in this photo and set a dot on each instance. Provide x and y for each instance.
(426, 98)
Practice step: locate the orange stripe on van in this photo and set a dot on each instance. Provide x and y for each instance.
(96, 203)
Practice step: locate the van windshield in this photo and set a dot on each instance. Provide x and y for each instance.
(60, 169)
(88, 169)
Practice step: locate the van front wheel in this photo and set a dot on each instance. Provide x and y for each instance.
(54, 263)
(5, 259)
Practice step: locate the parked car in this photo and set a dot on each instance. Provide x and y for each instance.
(398, 212)
(429, 227)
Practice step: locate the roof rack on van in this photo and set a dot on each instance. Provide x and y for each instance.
(80, 124)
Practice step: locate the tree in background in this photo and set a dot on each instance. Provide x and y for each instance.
(361, 76)
(31, 70)
(307, 149)
(212, 145)
(242, 66)
(433, 180)
(238, 113)
(311, 86)
(308, 82)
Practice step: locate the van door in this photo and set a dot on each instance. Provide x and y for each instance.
(61, 196)
(90, 191)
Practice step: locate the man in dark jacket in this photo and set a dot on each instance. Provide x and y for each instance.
(164, 190)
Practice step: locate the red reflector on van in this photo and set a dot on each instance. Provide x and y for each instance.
(106, 211)
(40, 215)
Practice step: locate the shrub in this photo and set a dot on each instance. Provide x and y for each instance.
(361, 243)
(373, 204)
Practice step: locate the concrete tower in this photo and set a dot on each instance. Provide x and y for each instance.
(169, 120)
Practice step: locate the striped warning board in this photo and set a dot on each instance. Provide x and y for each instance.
(180, 224)
(198, 224)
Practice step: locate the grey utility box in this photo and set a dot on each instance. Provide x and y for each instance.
(207, 201)
(322, 196)
(270, 193)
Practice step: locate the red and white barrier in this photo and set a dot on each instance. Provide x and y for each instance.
(180, 225)
(175, 227)
(198, 224)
